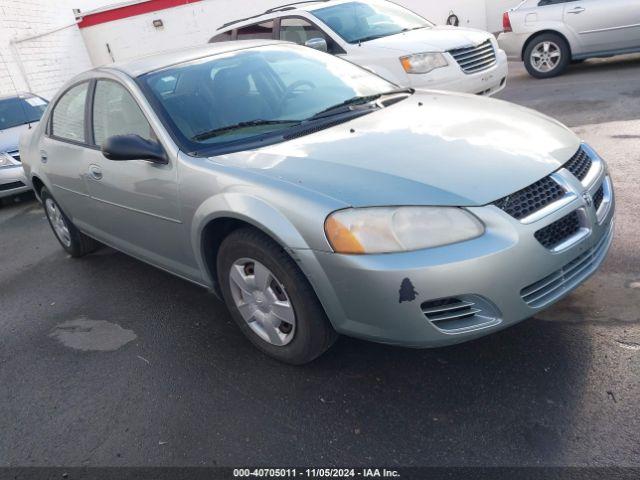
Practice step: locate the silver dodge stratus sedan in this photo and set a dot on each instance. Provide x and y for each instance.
(317, 198)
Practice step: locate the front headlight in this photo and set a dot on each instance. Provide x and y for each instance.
(399, 229)
(7, 160)
(423, 62)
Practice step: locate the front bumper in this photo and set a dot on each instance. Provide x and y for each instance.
(452, 78)
(12, 181)
(363, 294)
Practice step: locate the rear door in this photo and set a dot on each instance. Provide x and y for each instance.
(63, 152)
(604, 25)
(135, 203)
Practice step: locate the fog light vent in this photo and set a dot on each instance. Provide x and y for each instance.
(457, 314)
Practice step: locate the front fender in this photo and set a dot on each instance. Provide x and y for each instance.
(247, 208)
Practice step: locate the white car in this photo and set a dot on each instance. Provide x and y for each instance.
(387, 39)
(550, 34)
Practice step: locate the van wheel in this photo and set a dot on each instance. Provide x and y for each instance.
(75, 243)
(270, 298)
(547, 55)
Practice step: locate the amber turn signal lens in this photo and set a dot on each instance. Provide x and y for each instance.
(340, 238)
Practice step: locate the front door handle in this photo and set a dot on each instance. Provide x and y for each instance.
(577, 10)
(95, 172)
(43, 156)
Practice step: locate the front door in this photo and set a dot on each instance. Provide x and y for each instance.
(604, 25)
(135, 203)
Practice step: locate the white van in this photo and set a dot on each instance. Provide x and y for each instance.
(387, 39)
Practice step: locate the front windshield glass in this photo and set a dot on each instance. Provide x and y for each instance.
(238, 96)
(359, 21)
(19, 111)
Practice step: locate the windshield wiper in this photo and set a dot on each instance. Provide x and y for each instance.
(238, 126)
(382, 35)
(360, 100)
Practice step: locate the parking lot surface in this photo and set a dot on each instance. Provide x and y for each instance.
(108, 361)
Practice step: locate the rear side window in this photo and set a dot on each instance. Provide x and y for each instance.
(553, 2)
(115, 112)
(262, 31)
(67, 121)
(222, 37)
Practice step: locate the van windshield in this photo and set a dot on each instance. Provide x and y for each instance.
(17, 111)
(360, 22)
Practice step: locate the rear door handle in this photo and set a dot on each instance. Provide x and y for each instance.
(95, 172)
(577, 10)
(43, 156)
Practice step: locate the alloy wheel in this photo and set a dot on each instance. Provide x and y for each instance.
(546, 56)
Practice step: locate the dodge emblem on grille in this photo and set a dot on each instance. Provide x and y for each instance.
(587, 199)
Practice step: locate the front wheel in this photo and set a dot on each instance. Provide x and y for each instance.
(75, 243)
(547, 55)
(270, 298)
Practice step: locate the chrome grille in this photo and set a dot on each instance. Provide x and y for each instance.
(475, 59)
(560, 282)
(598, 197)
(553, 235)
(580, 164)
(529, 200)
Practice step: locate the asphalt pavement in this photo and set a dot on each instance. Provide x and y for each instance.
(106, 361)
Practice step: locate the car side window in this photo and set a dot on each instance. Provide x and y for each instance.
(262, 31)
(222, 37)
(67, 120)
(543, 3)
(299, 30)
(115, 112)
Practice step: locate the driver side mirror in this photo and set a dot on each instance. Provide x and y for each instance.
(317, 44)
(133, 147)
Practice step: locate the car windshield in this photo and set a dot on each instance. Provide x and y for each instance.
(246, 94)
(360, 22)
(19, 111)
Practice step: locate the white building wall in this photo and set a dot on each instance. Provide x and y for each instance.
(195, 23)
(472, 13)
(42, 64)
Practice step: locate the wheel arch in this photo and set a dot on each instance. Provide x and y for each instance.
(38, 185)
(543, 32)
(217, 217)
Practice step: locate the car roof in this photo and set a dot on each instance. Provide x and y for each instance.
(282, 10)
(158, 61)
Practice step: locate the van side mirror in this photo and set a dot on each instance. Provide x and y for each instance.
(317, 44)
(133, 147)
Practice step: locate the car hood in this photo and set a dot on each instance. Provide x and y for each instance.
(10, 137)
(434, 148)
(436, 39)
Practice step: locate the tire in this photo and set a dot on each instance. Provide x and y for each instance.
(548, 67)
(252, 256)
(74, 242)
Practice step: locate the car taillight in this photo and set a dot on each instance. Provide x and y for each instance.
(506, 22)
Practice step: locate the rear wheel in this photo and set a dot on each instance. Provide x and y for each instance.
(270, 298)
(76, 243)
(547, 55)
